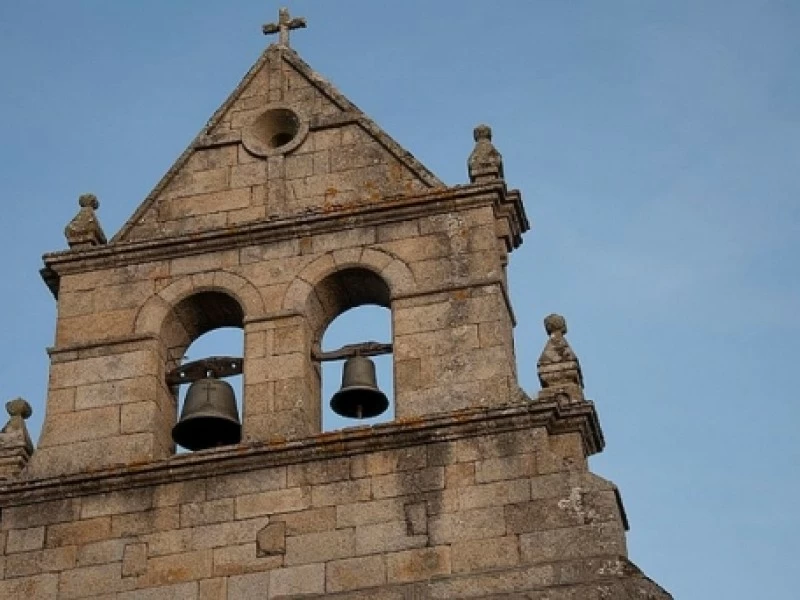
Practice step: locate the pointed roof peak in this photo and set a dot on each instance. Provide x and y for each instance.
(279, 91)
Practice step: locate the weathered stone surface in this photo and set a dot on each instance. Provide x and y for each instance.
(277, 226)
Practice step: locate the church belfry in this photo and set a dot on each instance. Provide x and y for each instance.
(289, 208)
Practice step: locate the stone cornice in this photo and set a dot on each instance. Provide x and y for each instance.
(557, 419)
(506, 205)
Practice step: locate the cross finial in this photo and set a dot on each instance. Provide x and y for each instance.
(283, 26)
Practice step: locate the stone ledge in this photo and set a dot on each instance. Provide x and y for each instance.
(347, 217)
(557, 419)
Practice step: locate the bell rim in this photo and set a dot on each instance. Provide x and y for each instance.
(376, 393)
(232, 431)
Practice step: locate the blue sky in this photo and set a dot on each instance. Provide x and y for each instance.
(656, 145)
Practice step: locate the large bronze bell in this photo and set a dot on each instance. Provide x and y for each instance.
(209, 417)
(359, 396)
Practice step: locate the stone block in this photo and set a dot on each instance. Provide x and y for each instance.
(225, 534)
(248, 174)
(26, 564)
(375, 511)
(389, 461)
(598, 539)
(205, 513)
(416, 515)
(206, 203)
(241, 484)
(355, 573)
(357, 236)
(439, 342)
(115, 503)
(341, 492)
(459, 475)
(102, 579)
(66, 428)
(180, 492)
(485, 554)
(78, 532)
(408, 483)
(213, 589)
(577, 508)
(98, 553)
(43, 587)
(24, 540)
(386, 537)
(97, 326)
(308, 521)
(472, 524)
(296, 581)
(253, 585)
(320, 547)
(149, 521)
(519, 466)
(176, 568)
(323, 471)
(134, 559)
(244, 558)
(271, 540)
(505, 583)
(142, 417)
(103, 369)
(42, 513)
(494, 494)
(175, 541)
(418, 565)
(179, 591)
(271, 502)
(112, 392)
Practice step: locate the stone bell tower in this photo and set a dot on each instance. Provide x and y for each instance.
(289, 208)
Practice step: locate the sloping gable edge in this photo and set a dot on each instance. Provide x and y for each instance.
(314, 79)
(372, 128)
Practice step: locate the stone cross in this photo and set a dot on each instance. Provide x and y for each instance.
(283, 26)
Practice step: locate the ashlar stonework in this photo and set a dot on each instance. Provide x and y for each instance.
(290, 207)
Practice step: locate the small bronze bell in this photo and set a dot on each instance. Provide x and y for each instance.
(359, 396)
(209, 417)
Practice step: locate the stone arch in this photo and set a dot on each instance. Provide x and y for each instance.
(156, 309)
(396, 274)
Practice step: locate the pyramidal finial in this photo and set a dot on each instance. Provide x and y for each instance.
(84, 230)
(485, 162)
(15, 442)
(284, 25)
(558, 367)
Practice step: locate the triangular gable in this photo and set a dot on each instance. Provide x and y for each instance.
(230, 176)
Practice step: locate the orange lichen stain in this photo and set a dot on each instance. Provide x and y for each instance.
(331, 193)
(461, 294)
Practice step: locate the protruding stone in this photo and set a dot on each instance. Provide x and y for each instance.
(15, 442)
(558, 366)
(84, 230)
(485, 162)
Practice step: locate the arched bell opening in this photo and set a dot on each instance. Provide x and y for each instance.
(204, 343)
(349, 313)
(355, 326)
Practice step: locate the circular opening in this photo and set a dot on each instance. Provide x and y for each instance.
(276, 127)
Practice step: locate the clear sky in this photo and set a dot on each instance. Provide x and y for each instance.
(656, 145)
